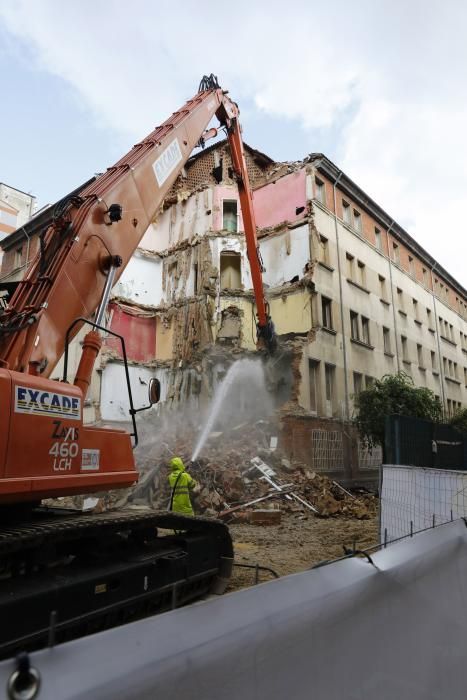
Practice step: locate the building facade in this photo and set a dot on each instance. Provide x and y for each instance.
(16, 208)
(352, 295)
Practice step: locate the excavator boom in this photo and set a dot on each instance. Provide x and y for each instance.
(106, 221)
(100, 570)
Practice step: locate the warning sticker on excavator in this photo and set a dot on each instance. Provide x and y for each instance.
(46, 403)
(90, 460)
(167, 162)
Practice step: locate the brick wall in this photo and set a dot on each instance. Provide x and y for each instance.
(329, 447)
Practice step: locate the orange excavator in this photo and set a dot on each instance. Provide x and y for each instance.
(63, 573)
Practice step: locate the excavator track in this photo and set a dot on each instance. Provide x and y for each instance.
(65, 574)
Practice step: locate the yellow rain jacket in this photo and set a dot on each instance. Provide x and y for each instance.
(180, 483)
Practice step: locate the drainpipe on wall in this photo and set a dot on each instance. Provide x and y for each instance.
(344, 348)
(440, 359)
(392, 297)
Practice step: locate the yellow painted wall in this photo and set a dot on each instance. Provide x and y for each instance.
(248, 325)
(292, 313)
(164, 341)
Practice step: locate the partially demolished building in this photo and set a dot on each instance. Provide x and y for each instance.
(351, 294)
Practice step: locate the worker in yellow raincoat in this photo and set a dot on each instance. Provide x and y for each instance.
(180, 483)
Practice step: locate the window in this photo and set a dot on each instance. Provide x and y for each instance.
(415, 309)
(357, 221)
(361, 273)
(320, 191)
(411, 266)
(346, 213)
(382, 286)
(445, 366)
(313, 375)
(450, 369)
(354, 326)
(425, 276)
(451, 333)
(350, 261)
(428, 317)
(366, 330)
(420, 355)
(395, 253)
(369, 381)
(18, 257)
(329, 371)
(405, 355)
(378, 241)
(323, 250)
(433, 360)
(387, 340)
(455, 374)
(230, 217)
(195, 278)
(400, 299)
(326, 307)
(449, 403)
(357, 383)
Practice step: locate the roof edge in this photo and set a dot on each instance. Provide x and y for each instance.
(324, 165)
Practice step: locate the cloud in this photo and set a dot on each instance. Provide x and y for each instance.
(385, 81)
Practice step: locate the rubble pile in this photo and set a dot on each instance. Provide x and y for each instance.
(228, 479)
(230, 485)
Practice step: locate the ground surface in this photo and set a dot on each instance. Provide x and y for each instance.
(296, 544)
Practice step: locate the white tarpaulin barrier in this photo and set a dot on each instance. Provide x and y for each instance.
(412, 498)
(394, 629)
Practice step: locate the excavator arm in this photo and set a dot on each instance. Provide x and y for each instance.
(94, 234)
(97, 570)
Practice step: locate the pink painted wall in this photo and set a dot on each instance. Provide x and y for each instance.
(139, 334)
(273, 203)
(277, 202)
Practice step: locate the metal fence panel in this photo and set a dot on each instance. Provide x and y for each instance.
(328, 450)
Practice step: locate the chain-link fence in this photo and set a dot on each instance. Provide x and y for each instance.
(413, 498)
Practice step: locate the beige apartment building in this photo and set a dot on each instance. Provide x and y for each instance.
(384, 304)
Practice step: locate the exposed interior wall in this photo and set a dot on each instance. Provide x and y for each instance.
(283, 200)
(292, 312)
(230, 270)
(138, 330)
(285, 255)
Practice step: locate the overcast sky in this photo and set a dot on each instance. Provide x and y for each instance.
(379, 86)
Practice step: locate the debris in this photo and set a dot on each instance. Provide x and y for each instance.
(264, 517)
(267, 471)
(251, 503)
(236, 474)
(343, 489)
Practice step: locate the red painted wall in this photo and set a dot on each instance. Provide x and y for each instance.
(139, 334)
(277, 202)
